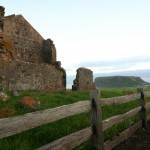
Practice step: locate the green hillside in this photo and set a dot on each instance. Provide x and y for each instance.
(119, 81)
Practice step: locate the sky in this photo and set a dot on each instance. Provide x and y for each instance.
(103, 35)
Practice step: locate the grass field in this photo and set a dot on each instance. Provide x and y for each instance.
(54, 99)
(44, 134)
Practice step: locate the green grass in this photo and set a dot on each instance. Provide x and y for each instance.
(55, 99)
(111, 92)
(47, 100)
(112, 110)
(44, 134)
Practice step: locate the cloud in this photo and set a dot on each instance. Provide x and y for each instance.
(130, 60)
(131, 64)
(135, 63)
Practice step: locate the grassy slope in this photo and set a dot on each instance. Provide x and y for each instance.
(44, 134)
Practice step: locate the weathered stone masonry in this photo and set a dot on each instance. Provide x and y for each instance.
(83, 80)
(27, 61)
(1, 27)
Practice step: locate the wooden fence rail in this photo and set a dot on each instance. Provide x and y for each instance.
(119, 99)
(119, 118)
(14, 125)
(18, 124)
(108, 145)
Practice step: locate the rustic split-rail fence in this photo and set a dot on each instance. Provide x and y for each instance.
(14, 125)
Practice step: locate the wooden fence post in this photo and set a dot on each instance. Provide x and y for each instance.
(96, 115)
(143, 109)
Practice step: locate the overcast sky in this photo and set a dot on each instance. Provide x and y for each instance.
(104, 35)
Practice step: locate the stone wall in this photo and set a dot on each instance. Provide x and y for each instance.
(23, 38)
(84, 80)
(27, 60)
(27, 44)
(24, 76)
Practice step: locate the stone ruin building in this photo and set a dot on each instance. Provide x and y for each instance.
(83, 80)
(27, 60)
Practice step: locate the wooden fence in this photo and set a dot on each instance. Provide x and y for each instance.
(13, 125)
(98, 124)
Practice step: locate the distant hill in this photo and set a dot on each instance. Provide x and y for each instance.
(119, 81)
(144, 74)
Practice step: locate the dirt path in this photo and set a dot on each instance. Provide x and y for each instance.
(139, 141)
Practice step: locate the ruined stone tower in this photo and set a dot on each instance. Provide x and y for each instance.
(49, 51)
(27, 60)
(83, 80)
